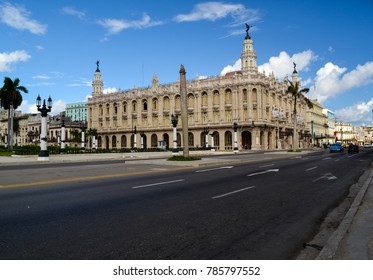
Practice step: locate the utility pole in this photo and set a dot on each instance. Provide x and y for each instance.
(184, 113)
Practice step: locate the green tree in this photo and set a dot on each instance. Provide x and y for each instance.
(10, 99)
(297, 94)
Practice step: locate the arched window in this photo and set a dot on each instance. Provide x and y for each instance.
(244, 95)
(134, 106)
(228, 96)
(154, 140)
(114, 141)
(144, 105)
(190, 139)
(124, 107)
(254, 95)
(228, 140)
(204, 99)
(123, 141)
(177, 102)
(155, 104)
(190, 100)
(166, 103)
(216, 98)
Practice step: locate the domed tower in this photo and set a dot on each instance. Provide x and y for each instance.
(248, 55)
(97, 83)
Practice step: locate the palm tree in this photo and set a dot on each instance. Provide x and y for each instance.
(10, 99)
(297, 93)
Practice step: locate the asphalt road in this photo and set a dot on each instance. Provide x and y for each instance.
(252, 210)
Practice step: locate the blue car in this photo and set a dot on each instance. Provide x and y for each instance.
(336, 147)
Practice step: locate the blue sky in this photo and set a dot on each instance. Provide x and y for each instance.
(53, 46)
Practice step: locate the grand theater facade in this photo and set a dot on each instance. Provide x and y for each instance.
(257, 103)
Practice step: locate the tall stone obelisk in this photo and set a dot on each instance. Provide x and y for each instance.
(184, 112)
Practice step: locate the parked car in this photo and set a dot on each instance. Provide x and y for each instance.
(368, 145)
(336, 147)
(352, 148)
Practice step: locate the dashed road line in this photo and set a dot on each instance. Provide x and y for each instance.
(157, 184)
(226, 194)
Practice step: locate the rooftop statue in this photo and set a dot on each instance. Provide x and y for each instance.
(247, 31)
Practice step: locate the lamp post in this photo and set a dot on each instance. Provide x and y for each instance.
(134, 137)
(206, 131)
(276, 138)
(83, 127)
(142, 135)
(63, 137)
(235, 149)
(174, 120)
(43, 155)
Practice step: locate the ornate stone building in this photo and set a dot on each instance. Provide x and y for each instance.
(141, 117)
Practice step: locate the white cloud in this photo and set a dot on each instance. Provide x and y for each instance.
(282, 64)
(213, 11)
(110, 90)
(117, 25)
(230, 68)
(58, 106)
(6, 59)
(360, 112)
(41, 77)
(73, 12)
(19, 18)
(332, 80)
(27, 108)
(82, 82)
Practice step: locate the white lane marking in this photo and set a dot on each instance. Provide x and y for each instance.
(263, 172)
(226, 194)
(327, 176)
(213, 169)
(312, 168)
(266, 165)
(157, 184)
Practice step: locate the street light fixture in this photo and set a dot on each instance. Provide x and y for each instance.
(135, 137)
(235, 150)
(63, 136)
(83, 127)
(206, 131)
(43, 155)
(174, 121)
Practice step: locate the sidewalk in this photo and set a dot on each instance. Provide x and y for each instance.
(353, 239)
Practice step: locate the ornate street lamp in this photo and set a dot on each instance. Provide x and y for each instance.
(142, 135)
(206, 131)
(43, 155)
(83, 127)
(174, 120)
(63, 136)
(235, 150)
(135, 137)
(276, 138)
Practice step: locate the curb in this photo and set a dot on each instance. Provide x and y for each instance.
(331, 247)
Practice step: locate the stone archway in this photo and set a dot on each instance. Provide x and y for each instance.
(166, 138)
(246, 140)
(107, 142)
